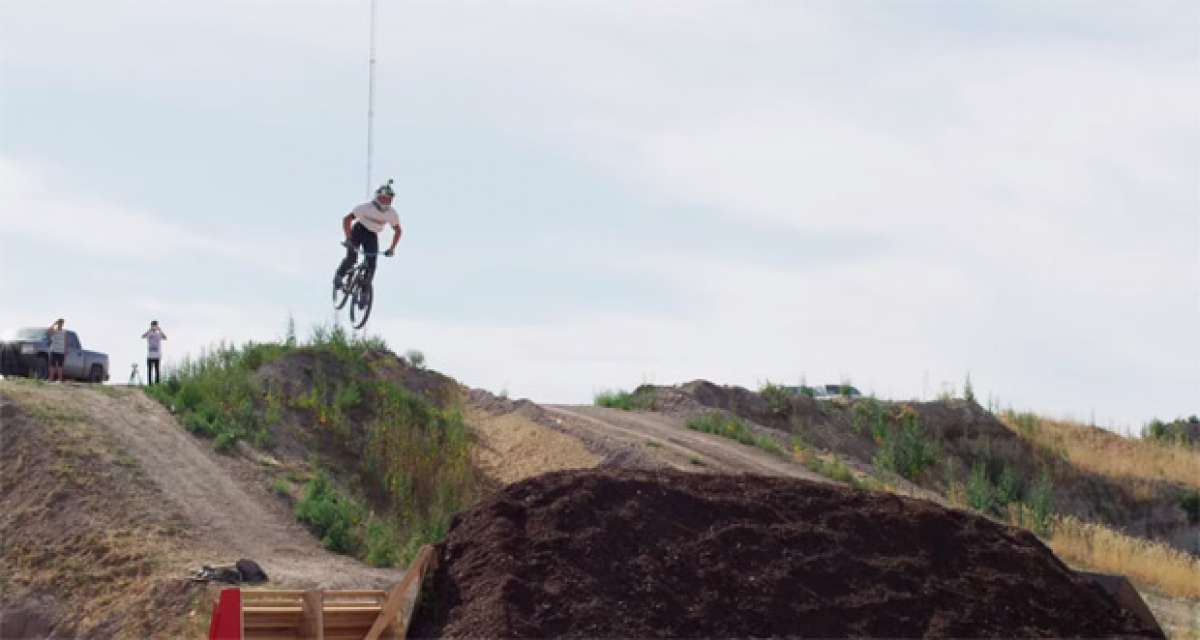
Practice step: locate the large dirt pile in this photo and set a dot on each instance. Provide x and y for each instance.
(639, 554)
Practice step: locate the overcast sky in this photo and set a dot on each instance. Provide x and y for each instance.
(599, 194)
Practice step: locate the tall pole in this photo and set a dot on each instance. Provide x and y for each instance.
(371, 102)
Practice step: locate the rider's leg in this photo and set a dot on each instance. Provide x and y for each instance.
(348, 262)
(370, 244)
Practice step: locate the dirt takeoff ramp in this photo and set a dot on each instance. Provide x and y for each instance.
(644, 554)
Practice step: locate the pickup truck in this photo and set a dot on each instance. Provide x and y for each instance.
(26, 352)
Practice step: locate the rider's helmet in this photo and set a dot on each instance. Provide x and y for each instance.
(385, 193)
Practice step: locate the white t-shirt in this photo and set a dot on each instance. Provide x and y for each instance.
(373, 218)
(154, 338)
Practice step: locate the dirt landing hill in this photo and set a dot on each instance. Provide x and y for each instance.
(643, 554)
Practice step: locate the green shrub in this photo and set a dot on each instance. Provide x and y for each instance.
(869, 416)
(981, 495)
(332, 517)
(1190, 503)
(969, 391)
(1041, 502)
(383, 544)
(779, 399)
(905, 450)
(642, 398)
(834, 470)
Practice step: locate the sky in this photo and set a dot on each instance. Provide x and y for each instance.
(600, 194)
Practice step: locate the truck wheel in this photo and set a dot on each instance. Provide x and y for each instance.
(97, 374)
(40, 369)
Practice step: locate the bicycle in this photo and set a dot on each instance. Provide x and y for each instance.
(356, 287)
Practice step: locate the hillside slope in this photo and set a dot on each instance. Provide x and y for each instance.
(99, 477)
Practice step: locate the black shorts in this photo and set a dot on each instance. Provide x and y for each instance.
(56, 359)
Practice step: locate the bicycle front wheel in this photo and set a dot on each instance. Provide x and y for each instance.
(360, 308)
(340, 295)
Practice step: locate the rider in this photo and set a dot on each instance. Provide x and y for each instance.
(368, 220)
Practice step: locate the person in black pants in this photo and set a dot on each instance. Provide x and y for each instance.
(153, 337)
(362, 226)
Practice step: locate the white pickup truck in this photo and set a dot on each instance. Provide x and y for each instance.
(26, 352)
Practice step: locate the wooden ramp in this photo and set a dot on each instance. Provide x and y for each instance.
(320, 615)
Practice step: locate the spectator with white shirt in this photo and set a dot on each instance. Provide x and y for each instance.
(362, 226)
(153, 337)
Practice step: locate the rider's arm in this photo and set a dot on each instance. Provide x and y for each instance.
(347, 222)
(395, 238)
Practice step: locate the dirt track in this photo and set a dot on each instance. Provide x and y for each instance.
(237, 520)
(676, 446)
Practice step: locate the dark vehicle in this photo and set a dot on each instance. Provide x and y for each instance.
(26, 352)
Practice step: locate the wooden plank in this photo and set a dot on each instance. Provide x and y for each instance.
(395, 598)
(314, 616)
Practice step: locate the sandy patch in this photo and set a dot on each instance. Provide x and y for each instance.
(513, 447)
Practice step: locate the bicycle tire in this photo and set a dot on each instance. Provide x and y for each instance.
(345, 295)
(363, 289)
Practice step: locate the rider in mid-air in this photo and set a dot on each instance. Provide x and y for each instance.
(368, 220)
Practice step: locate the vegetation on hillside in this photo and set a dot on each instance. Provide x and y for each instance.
(397, 466)
(641, 398)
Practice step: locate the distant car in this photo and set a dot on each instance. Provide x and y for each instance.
(26, 352)
(826, 391)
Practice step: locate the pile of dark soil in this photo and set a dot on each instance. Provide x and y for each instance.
(640, 554)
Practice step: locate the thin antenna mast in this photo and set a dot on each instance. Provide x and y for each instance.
(371, 102)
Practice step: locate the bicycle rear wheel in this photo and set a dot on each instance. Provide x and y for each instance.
(360, 306)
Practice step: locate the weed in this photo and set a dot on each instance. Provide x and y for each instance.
(869, 416)
(733, 428)
(281, 488)
(642, 398)
(653, 444)
(905, 450)
(383, 543)
(415, 358)
(969, 391)
(1190, 503)
(331, 516)
(779, 400)
(696, 461)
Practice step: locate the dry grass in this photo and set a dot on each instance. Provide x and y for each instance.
(1098, 548)
(1104, 452)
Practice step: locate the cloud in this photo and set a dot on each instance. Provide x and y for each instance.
(52, 215)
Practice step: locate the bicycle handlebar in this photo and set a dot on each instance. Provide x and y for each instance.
(365, 253)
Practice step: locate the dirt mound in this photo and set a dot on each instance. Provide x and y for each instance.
(638, 554)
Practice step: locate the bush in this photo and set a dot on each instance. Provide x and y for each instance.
(980, 494)
(905, 450)
(869, 417)
(642, 398)
(415, 358)
(1190, 503)
(1041, 502)
(779, 399)
(331, 516)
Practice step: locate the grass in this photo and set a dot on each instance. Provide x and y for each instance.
(1107, 453)
(641, 398)
(734, 428)
(1102, 549)
(832, 468)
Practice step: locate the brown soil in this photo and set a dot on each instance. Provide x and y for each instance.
(511, 447)
(107, 504)
(641, 554)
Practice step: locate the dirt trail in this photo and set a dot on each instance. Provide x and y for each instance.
(236, 520)
(675, 445)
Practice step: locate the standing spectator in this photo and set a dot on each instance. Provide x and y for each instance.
(154, 337)
(58, 348)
